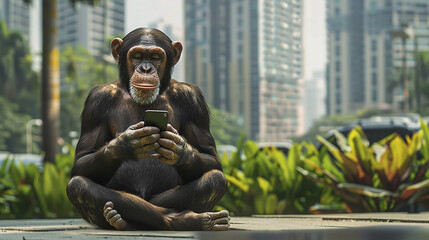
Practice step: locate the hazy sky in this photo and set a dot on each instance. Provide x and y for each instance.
(140, 13)
(314, 31)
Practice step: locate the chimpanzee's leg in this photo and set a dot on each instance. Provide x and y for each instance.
(89, 198)
(199, 196)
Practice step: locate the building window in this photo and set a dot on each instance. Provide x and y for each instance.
(337, 36)
(240, 35)
(374, 87)
(338, 98)
(337, 51)
(374, 62)
(337, 11)
(338, 83)
(374, 45)
(204, 32)
(240, 49)
(337, 66)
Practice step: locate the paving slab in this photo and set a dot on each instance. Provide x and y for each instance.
(328, 226)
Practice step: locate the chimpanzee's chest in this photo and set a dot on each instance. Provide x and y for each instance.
(130, 113)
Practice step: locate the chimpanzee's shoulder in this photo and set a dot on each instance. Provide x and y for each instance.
(189, 98)
(103, 96)
(185, 92)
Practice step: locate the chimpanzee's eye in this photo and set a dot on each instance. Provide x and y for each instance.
(138, 55)
(156, 56)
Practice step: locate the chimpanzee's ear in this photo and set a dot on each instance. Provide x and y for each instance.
(116, 46)
(177, 46)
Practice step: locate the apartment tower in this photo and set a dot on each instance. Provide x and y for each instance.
(246, 56)
(366, 52)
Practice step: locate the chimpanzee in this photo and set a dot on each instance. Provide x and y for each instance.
(131, 176)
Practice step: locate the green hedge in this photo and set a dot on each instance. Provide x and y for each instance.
(27, 191)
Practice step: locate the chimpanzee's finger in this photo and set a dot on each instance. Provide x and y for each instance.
(166, 153)
(168, 161)
(171, 129)
(136, 126)
(147, 148)
(148, 154)
(141, 142)
(167, 143)
(172, 136)
(145, 131)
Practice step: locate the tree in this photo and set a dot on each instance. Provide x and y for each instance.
(82, 72)
(18, 90)
(15, 65)
(421, 78)
(51, 78)
(12, 127)
(225, 127)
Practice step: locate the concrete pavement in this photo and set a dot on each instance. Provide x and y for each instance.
(332, 226)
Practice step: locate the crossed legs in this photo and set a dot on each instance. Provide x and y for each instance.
(183, 208)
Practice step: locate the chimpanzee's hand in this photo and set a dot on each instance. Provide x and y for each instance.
(134, 143)
(172, 146)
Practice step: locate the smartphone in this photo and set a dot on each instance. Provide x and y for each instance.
(156, 118)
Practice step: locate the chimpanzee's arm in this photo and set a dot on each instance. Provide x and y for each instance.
(200, 154)
(91, 160)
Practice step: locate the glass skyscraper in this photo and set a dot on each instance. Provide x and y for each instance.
(90, 26)
(365, 55)
(16, 14)
(246, 56)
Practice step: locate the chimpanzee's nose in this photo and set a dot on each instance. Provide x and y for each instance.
(146, 68)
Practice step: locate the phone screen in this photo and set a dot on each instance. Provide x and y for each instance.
(157, 118)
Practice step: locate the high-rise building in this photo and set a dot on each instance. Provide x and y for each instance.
(16, 14)
(90, 26)
(314, 100)
(246, 56)
(168, 29)
(364, 51)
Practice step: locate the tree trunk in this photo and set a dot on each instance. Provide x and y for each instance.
(50, 82)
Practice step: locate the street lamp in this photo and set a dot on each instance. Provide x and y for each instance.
(28, 126)
(402, 33)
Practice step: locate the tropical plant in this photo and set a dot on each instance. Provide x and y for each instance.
(265, 182)
(17, 198)
(30, 191)
(50, 188)
(385, 176)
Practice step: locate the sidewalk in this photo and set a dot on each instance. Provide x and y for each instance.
(336, 226)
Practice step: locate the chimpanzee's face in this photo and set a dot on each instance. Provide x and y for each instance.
(146, 58)
(146, 66)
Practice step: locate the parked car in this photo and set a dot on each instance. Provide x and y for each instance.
(282, 146)
(379, 127)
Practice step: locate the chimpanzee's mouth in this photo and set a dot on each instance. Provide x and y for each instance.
(144, 86)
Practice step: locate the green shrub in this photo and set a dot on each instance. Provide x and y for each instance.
(17, 198)
(265, 182)
(386, 176)
(27, 191)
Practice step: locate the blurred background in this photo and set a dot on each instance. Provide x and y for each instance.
(275, 70)
(289, 74)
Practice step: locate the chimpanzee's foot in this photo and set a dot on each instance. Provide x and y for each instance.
(216, 221)
(113, 217)
(188, 220)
